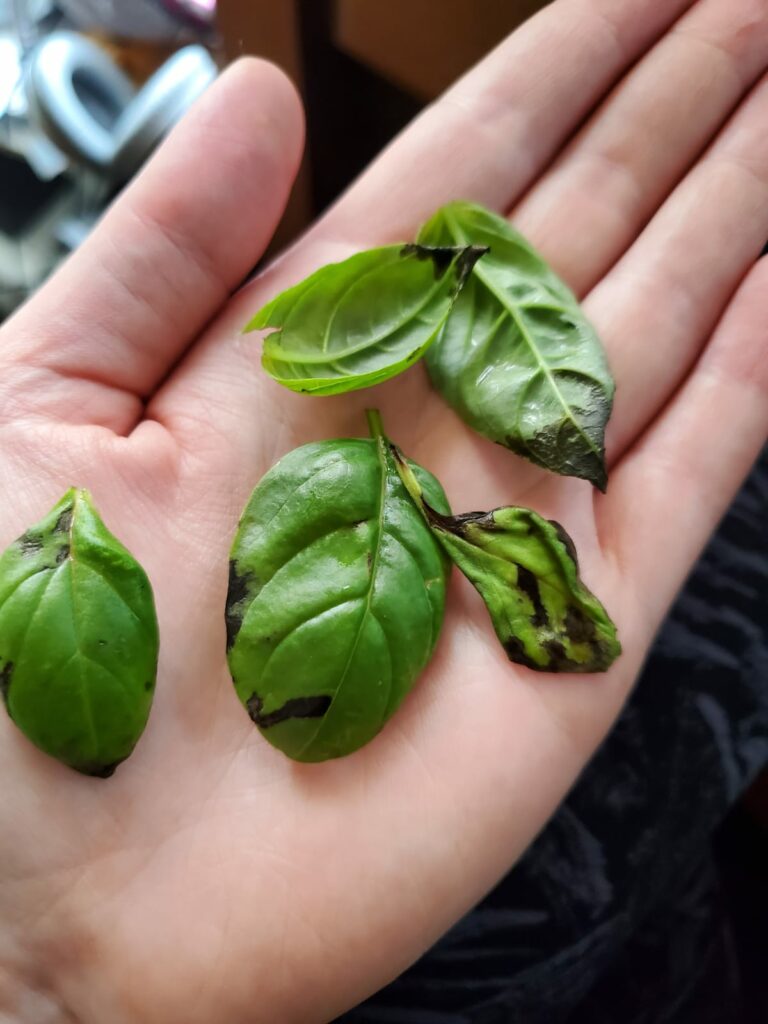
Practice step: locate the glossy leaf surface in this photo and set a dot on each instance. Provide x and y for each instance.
(78, 638)
(336, 597)
(525, 569)
(354, 324)
(518, 360)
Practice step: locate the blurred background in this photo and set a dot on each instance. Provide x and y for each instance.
(88, 88)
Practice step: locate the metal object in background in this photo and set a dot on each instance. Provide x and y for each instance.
(154, 20)
(73, 130)
(91, 110)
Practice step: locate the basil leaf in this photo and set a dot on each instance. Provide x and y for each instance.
(518, 360)
(354, 324)
(525, 569)
(336, 597)
(78, 638)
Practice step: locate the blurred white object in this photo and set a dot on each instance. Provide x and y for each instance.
(17, 135)
(32, 11)
(73, 129)
(91, 110)
(10, 71)
(159, 104)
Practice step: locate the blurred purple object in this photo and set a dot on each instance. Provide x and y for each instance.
(152, 20)
(201, 13)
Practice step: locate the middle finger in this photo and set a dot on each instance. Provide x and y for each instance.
(592, 203)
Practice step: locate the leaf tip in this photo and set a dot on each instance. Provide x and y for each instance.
(600, 477)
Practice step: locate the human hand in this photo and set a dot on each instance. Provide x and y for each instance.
(211, 879)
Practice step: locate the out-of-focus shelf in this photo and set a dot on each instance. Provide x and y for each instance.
(424, 45)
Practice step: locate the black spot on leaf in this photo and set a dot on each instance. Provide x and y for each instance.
(529, 585)
(296, 707)
(516, 652)
(558, 658)
(62, 554)
(102, 771)
(566, 541)
(442, 257)
(5, 680)
(237, 592)
(466, 262)
(466, 256)
(516, 445)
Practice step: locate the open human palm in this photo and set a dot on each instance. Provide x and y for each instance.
(211, 879)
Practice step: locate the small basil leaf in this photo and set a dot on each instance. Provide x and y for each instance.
(353, 324)
(78, 638)
(336, 597)
(525, 569)
(518, 360)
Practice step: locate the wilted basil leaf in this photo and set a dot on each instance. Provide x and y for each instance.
(78, 638)
(354, 324)
(336, 596)
(525, 569)
(517, 359)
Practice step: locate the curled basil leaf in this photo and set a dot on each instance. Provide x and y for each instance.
(78, 638)
(525, 569)
(357, 323)
(336, 596)
(518, 360)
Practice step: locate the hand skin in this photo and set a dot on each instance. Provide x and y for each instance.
(210, 879)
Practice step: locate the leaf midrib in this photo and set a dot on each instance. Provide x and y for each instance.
(511, 308)
(84, 696)
(369, 597)
(329, 358)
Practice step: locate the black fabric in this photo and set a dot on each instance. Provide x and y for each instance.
(617, 912)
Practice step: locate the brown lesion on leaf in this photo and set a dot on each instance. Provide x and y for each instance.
(64, 522)
(296, 707)
(62, 554)
(238, 589)
(458, 524)
(6, 674)
(580, 628)
(30, 543)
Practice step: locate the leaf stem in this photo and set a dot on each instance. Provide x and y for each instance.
(409, 480)
(375, 423)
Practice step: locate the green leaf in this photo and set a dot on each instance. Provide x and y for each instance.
(525, 569)
(518, 360)
(336, 597)
(78, 638)
(354, 324)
